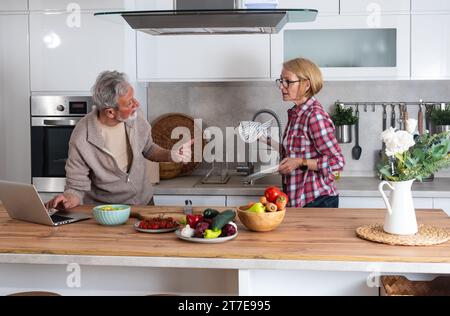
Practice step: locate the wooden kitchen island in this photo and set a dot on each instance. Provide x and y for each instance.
(313, 252)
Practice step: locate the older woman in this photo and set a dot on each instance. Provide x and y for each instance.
(310, 153)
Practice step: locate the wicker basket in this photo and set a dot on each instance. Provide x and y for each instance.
(396, 285)
(169, 170)
(162, 128)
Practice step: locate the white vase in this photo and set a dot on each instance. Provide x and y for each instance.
(401, 216)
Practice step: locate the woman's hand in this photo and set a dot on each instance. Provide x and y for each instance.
(288, 165)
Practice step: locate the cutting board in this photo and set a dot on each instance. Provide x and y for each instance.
(147, 213)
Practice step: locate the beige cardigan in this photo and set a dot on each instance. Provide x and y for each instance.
(92, 173)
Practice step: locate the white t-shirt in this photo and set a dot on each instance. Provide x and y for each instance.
(116, 142)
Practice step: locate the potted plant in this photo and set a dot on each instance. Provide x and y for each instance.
(408, 160)
(343, 120)
(440, 117)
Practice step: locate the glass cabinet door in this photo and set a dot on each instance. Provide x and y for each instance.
(348, 47)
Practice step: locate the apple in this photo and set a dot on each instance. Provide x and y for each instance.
(257, 208)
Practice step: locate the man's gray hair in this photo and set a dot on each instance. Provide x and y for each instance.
(108, 87)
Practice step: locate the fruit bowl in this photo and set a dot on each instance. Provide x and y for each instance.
(260, 222)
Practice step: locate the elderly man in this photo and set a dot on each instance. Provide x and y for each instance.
(108, 150)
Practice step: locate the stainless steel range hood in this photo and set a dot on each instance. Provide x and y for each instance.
(224, 21)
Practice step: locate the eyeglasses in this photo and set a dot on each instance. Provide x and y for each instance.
(285, 83)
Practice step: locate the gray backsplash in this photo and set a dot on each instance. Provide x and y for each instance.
(227, 103)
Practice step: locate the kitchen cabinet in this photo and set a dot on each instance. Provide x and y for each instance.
(197, 200)
(430, 6)
(442, 203)
(203, 57)
(13, 5)
(15, 161)
(235, 201)
(430, 46)
(375, 6)
(68, 57)
(325, 7)
(377, 202)
(348, 47)
(154, 5)
(37, 5)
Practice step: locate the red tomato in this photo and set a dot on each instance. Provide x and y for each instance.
(272, 193)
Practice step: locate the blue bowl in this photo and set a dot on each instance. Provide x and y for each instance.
(111, 214)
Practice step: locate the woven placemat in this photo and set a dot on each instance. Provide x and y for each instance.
(162, 131)
(426, 236)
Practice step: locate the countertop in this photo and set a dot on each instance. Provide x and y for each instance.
(347, 186)
(324, 236)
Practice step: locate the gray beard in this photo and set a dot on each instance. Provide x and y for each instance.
(131, 118)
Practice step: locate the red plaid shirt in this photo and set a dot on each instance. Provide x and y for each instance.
(310, 134)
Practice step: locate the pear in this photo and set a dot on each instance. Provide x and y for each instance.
(257, 208)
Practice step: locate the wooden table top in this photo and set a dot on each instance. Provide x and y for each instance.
(305, 234)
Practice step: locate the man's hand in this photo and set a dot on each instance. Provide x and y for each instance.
(63, 202)
(184, 153)
(288, 165)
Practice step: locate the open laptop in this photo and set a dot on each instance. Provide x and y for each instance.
(22, 201)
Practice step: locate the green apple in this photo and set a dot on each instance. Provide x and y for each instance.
(257, 208)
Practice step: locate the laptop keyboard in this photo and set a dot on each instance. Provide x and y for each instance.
(58, 219)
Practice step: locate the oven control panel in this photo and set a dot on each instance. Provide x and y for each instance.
(60, 105)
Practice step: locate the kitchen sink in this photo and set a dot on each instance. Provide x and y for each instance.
(272, 179)
(236, 182)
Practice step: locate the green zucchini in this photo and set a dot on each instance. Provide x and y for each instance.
(222, 219)
(210, 213)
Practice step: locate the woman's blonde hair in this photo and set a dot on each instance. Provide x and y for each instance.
(307, 70)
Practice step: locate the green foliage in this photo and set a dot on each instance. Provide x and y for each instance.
(427, 156)
(441, 117)
(343, 116)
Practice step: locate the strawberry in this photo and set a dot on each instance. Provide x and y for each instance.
(281, 202)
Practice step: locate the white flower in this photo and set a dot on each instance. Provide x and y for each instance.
(411, 125)
(397, 142)
(388, 134)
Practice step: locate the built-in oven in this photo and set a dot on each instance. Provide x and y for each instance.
(53, 119)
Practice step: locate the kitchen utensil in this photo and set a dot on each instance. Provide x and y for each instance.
(420, 119)
(401, 120)
(187, 207)
(260, 222)
(393, 122)
(162, 128)
(384, 122)
(356, 150)
(405, 116)
(251, 131)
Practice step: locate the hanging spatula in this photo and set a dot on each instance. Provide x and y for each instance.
(356, 150)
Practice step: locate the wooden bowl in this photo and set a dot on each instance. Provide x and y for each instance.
(260, 222)
(169, 170)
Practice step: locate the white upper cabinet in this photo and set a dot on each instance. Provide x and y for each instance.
(430, 46)
(84, 5)
(68, 53)
(203, 57)
(348, 47)
(154, 5)
(13, 5)
(430, 6)
(325, 7)
(375, 6)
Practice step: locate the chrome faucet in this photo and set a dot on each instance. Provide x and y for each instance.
(249, 167)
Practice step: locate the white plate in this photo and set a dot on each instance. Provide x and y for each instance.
(205, 240)
(154, 231)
